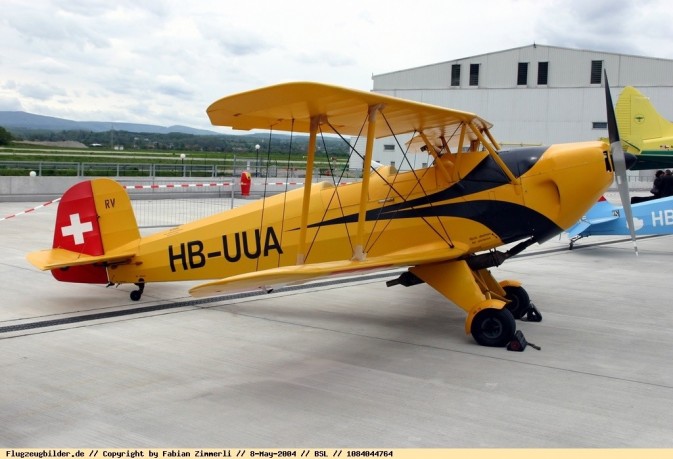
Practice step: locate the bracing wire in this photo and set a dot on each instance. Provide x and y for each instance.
(287, 184)
(335, 193)
(266, 174)
(446, 237)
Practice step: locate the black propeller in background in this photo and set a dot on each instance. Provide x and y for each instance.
(619, 162)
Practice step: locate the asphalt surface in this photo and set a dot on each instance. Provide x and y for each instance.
(347, 364)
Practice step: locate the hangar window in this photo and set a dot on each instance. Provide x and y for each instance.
(522, 75)
(542, 72)
(599, 125)
(389, 147)
(455, 75)
(474, 74)
(596, 70)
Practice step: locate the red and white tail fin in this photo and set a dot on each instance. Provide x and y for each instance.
(95, 225)
(77, 226)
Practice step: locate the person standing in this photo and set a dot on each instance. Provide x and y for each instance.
(655, 190)
(656, 186)
(666, 185)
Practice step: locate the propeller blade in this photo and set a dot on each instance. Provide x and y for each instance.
(619, 162)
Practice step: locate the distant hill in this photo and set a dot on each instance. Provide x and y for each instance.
(23, 120)
(30, 128)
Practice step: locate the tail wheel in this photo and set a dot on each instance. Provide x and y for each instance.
(493, 327)
(136, 294)
(519, 301)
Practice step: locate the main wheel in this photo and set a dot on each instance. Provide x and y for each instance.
(519, 301)
(493, 327)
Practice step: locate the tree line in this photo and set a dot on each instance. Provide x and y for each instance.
(5, 136)
(247, 143)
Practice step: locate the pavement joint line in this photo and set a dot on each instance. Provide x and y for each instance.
(31, 325)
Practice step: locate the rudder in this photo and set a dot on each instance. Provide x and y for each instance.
(94, 218)
(640, 125)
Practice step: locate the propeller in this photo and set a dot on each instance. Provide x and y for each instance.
(619, 161)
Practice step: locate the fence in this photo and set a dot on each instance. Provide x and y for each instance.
(191, 168)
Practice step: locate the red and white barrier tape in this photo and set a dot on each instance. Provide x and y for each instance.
(152, 187)
(176, 185)
(27, 211)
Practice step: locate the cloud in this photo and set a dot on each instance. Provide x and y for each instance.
(48, 32)
(623, 27)
(173, 85)
(46, 65)
(10, 103)
(165, 62)
(39, 91)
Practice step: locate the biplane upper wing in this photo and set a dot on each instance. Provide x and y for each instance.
(292, 106)
(294, 275)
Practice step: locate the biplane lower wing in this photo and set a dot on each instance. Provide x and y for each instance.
(270, 279)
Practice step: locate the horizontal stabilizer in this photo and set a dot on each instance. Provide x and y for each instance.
(270, 279)
(62, 258)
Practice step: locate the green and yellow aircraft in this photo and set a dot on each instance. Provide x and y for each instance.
(644, 132)
(444, 222)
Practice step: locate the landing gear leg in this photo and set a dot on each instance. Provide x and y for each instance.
(136, 294)
(488, 320)
(573, 240)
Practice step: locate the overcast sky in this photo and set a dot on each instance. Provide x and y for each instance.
(164, 61)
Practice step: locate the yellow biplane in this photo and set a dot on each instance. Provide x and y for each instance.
(443, 222)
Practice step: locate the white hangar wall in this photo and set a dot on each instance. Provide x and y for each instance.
(566, 107)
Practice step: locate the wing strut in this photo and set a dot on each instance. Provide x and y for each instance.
(358, 252)
(310, 156)
(491, 151)
(431, 149)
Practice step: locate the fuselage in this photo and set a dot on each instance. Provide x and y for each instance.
(469, 199)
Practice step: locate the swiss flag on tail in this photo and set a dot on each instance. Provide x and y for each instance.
(77, 222)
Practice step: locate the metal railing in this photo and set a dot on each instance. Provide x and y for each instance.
(179, 169)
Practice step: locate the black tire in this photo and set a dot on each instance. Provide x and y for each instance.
(519, 301)
(493, 327)
(135, 295)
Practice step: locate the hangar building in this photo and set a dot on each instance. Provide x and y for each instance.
(533, 95)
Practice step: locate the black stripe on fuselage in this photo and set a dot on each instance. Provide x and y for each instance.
(508, 220)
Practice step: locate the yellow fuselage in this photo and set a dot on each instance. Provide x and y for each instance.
(464, 201)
